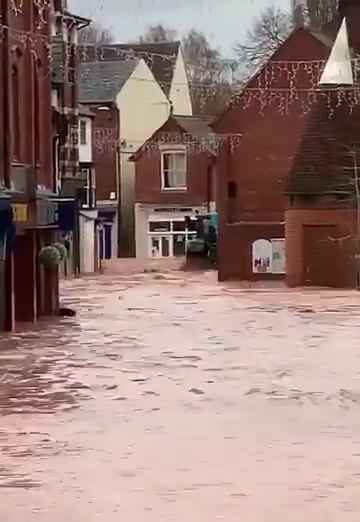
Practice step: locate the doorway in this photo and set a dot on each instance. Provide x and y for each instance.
(105, 241)
(160, 246)
(320, 255)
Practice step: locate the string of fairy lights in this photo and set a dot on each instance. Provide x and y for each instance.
(280, 85)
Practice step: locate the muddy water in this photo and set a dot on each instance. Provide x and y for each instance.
(168, 399)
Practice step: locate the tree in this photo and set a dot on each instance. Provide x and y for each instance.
(298, 13)
(207, 72)
(320, 12)
(95, 34)
(158, 34)
(269, 31)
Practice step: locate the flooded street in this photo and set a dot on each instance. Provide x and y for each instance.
(171, 398)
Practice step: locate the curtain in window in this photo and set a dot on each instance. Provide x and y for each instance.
(175, 170)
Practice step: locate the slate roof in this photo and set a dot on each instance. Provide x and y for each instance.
(323, 164)
(195, 125)
(160, 58)
(102, 81)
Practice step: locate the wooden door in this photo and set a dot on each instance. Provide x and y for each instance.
(320, 255)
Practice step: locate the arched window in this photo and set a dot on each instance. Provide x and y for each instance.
(262, 256)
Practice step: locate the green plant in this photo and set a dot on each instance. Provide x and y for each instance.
(62, 250)
(49, 256)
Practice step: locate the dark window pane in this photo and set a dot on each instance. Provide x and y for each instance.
(232, 189)
(159, 226)
(179, 226)
(193, 225)
(179, 245)
(165, 243)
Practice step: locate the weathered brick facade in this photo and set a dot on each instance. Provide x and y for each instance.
(26, 169)
(320, 247)
(252, 178)
(105, 146)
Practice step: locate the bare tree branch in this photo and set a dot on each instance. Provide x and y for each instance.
(269, 31)
(95, 34)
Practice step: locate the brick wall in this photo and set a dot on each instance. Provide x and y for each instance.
(29, 102)
(257, 170)
(235, 246)
(310, 229)
(148, 180)
(105, 143)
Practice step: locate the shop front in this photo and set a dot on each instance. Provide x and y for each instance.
(164, 231)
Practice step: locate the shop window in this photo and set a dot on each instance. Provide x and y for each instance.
(159, 226)
(173, 170)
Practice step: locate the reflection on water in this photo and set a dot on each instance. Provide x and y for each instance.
(171, 399)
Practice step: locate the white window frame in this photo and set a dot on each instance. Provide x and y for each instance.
(87, 186)
(93, 187)
(81, 123)
(170, 234)
(166, 152)
(271, 242)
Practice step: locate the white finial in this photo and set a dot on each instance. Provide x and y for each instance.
(338, 69)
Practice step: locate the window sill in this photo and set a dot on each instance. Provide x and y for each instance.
(183, 189)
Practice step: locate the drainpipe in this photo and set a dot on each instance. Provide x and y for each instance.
(357, 195)
(118, 179)
(6, 93)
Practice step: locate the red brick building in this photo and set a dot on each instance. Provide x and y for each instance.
(106, 160)
(174, 179)
(252, 176)
(271, 114)
(30, 156)
(322, 247)
(26, 179)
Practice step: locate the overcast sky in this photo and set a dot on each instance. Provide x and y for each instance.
(223, 21)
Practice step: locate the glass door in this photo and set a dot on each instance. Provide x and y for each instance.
(165, 246)
(161, 246)
(155, 247)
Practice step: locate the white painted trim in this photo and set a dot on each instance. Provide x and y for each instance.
(170, 150)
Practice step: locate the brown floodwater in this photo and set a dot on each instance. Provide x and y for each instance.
(171, 398)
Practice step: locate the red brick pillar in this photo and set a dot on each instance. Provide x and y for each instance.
(25, 277)
(294, 248)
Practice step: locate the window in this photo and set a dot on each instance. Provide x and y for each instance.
(232, 190)
(89, 199)
(83, 132)
(16, 111)
(173, 170)
(169, 238)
